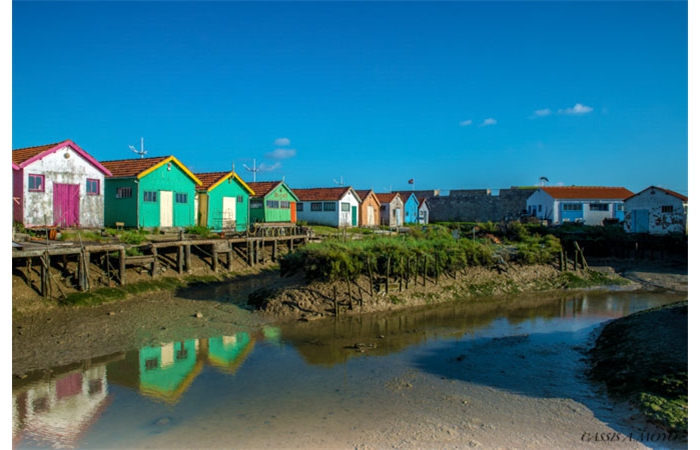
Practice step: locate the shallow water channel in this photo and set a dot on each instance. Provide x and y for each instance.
(500, 373)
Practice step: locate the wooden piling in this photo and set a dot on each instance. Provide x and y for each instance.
(188, 258)
(154, 264)
(180, 258)
(122, 266)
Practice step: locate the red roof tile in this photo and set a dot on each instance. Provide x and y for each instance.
(210, 178)
(131, 167)
(22, 154)
(26, 156)
(673, 193)
(588, 192)
(388, 198)
(321, 194)
(262, 188)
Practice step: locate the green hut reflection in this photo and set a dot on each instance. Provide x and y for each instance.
(228, 352)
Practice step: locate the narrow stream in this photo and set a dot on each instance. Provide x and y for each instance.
(499, 373)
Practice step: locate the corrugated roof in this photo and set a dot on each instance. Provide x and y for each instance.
(321, 194)
(588, 192)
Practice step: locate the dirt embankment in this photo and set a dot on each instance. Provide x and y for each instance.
(643, 358)
(299, 300)
(46, 335)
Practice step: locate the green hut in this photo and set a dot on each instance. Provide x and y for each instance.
(273, 202)
(223, 201)
(150, 192)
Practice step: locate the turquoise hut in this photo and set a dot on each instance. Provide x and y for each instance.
(150, 192)
(223, 201)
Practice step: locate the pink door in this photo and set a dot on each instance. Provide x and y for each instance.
(66, 205)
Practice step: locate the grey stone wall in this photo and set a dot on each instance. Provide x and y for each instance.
(479, 205)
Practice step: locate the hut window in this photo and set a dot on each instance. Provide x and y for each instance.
(150, 196)
(300, 207)
(284, 204)
(273, 204)
(256, 204)
(316, 206)
(328, 206)
(36, 183)
(124, 192)
(572, 207)
(600, 207)
(667, 209)
(92, 187)
(239, 199)
(180, 197)
(345, 206)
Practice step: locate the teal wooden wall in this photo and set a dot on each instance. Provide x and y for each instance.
(216, 201)
(120, 209)
(175, 180)
(266, 214)
(125, 210)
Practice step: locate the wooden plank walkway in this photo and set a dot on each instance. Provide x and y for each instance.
(114, 260)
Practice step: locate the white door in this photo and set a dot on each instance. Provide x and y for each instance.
(370, 215)
(166, 208)
(229, 213)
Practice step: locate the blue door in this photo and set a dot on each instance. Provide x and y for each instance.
(640, 221)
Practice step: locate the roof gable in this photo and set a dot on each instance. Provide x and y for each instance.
(587, 192)
(667, 191)
(140, 167)
(367, 194)
(210, 180)
(388, 198)
(334, 194)
(23, 157)
(263, 188)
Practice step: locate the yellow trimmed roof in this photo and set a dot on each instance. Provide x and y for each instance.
(141, 167)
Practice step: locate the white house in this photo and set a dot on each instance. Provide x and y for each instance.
(423, 211)
(656, 210)
(583, 204)
(57, 185)
(335, 207)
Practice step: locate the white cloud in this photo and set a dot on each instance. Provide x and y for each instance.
(269, 168)
(465, 123)
(281, 153)
(577, 109)
(489, 121)
(282, 142)
(543, 112)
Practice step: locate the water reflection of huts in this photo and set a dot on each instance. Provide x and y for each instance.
(166, 371)
(57, 412)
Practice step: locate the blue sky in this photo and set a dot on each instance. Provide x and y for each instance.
(455, 95)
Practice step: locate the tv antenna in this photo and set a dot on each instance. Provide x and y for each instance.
(138, 152)
(255, 169)
(543, 181)
(339, 183)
